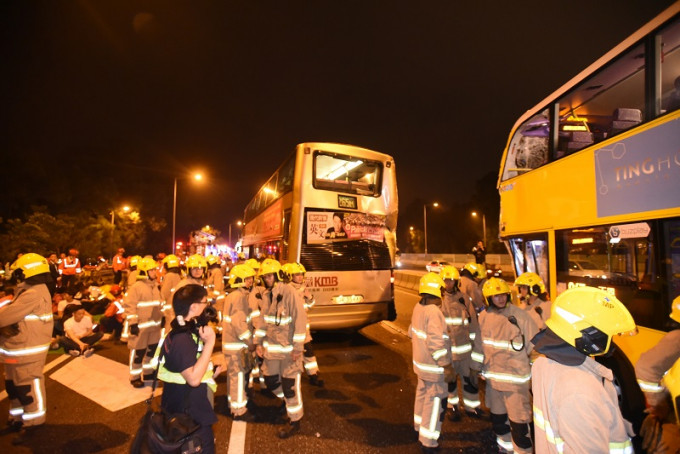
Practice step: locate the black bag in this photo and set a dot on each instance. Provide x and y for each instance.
(160, 433)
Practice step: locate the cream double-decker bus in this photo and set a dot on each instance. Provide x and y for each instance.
(590, 180)
(333, 208)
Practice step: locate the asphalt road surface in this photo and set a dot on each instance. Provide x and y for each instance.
(366, 405)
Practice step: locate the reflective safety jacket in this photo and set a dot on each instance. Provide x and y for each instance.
(470, 288)
(215, 283)
(576, 409)
(258, 305)
(309, 302)
(170, 283)
(132, 278)
(653, 365)
(142, 304)
(430, 342)
(285, 321)
(539, 311)
(463, 326)
(70, 266)
(31, 310)
(236, 325)
(506, 347)
(119, 262)
(176, 377)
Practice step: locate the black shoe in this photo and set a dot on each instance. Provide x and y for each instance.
(246, 417)
(478, 413)
(429, 449)
(291, 429)
(315, 380)
(137, 383)
(282, 408)
(12, 427)
(453, 414)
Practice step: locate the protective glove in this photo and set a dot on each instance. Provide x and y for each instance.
(650, 433)
(134, 329)
(449, 374)
(474, 378)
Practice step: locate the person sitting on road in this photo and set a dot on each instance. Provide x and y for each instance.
(80, 337)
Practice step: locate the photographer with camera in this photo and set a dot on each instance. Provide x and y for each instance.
(185, 366)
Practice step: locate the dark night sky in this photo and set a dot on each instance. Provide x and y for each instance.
(115, 98)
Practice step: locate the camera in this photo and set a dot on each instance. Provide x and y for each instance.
(208, 315)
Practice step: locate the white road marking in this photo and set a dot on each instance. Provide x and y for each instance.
(237, 439)
(49, 366)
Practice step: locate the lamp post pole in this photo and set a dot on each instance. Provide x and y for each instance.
(475, 214)
(425, 225)
(113, 227)
(174, 214)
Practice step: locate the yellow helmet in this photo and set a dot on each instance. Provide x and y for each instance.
(29, 265)
(675, 309)
(587, 318)
(431, 284)
(212, 259)
(254, 264)
(144, 266)
(134, 260)
(196, 261)
(238, 274)
(449, 272)
(477, 270)
(495, 286)
(271, 266)
(672, 382)
(533, 281)
(171, 261)
(291, 268)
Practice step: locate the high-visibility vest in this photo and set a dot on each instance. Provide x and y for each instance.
(176, 377)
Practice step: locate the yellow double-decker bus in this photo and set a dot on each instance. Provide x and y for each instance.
(590, 180)
(333, 208)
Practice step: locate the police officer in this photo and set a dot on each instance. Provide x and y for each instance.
(463, 330)
(285, 325)
(575, 402)
(143, 315)
(505, 331)
(237, 340)
(533, 297)
(431, 362)
(25, 333)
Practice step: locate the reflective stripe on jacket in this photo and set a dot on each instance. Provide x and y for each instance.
(576, 409)
(430, 342)
(653, 365)
(462, 325)
(236, 332)
(504, 367)
(285, 320)
(31, 310)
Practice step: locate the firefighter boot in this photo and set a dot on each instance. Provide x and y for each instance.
(289, 430)
(453, 413)
(314, 380)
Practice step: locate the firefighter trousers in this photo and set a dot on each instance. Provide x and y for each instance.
(309, 360)
(282, 377)
(429, 410)
(511, 419)
(470, 393)
(25, 385)
(236, 383)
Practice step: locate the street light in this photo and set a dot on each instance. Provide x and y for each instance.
(239, 223)
(197, 177)
(435, 204)
(125, 209)
(474, 214)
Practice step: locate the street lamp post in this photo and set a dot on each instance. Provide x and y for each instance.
(113, 225)
(435, 204)
(239, 223)
(474, 214)
(197, 177)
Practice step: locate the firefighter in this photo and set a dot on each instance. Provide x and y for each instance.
(431, 362)
(575, 400)
(215, 282)
(132, 274)
(170, 281)
(237, 340)
(463, 330)
(255, 302)
(283, 322)
(70, 269)
(667, 435)
(296, 275)
(505, 332)
(533, 297)
(470, 276)
(25, 335)
(143, 315)
(650, 369)
(119, 265)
